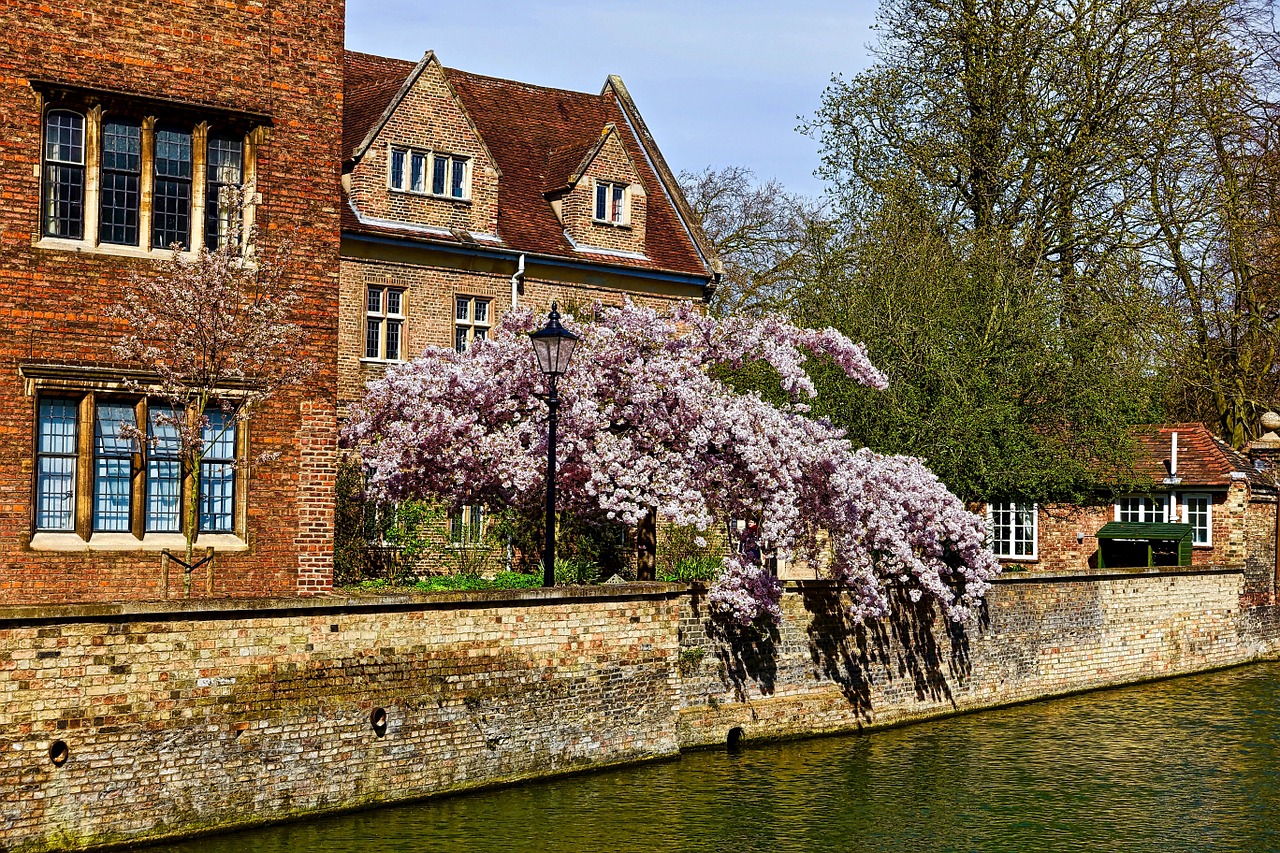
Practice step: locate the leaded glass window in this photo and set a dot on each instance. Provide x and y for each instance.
(113, 449)
(63, 209)
(171, 195)
(56, 447)
(121, 181)
(164, 472)
(218, 473)
(224, 170)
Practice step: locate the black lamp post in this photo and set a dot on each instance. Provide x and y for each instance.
(553, 344)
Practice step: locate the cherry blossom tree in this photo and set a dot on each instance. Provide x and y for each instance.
(215, 331)
(648, 426)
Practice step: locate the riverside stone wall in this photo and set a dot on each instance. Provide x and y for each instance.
(1039, 635)
(182, 717)
(179, 722)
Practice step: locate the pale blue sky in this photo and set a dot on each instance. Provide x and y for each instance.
(719, 83)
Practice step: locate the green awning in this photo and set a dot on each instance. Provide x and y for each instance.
(1145, 530)
(1137, 544)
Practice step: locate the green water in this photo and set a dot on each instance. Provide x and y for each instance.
(1189, 764)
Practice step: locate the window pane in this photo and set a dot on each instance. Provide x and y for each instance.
(171, 210)
(164, 474)
(602, 198)
(173, 153)
(118, 213)
(375, 300)
(57, 425)
(438, 169)
(482, 311)
(122, 146)
(55, 492)
(217, 473)
(460, 339)
(393, 339)
(112, 466)
(479, 334)
(121, 183)
(56, 463)
(397, 168)
(373, 339)
(64, 137)
(225, 168)
(618, 196)
(458, 175)
(464, 309)
(64, 201)
(393, 301)
(419, 166)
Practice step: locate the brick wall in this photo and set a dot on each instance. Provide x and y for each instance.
(432, 280)
(179, 719)
(428, 119)
(183, 721)
(283, 61)
(578, 207)
(820, 673)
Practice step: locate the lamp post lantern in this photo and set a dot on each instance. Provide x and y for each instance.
(553, 346)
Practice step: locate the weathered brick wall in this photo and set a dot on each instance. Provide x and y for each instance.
(282, 60)
(578, 207)
(428, 119)
(178, 719)
(431, 281)
(1038, 637)
(177, 722)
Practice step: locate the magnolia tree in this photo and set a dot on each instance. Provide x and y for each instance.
(213, 333)
(647, 427)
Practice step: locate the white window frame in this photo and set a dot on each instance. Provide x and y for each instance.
(1186, 518)
(1162, 517)
(469, 323)
(467, 528)
(428, 157)
(1015, 509)
(625, 217)
(385, 319)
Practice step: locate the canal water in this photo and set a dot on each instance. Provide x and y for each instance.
(1188, 764)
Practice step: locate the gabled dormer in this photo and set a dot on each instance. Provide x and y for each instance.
(423, 165)
(597, 194)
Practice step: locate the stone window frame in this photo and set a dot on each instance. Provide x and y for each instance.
(618, 218)
(1144, 511)
(1186, 499)
(81, 535)
(429, 157)
(1005, 547)
(386, 320)
(469, 327)
(202, 123)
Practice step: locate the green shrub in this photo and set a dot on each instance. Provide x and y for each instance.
(576, 572)
(704, 568)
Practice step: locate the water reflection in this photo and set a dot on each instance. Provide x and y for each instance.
(1179, 765)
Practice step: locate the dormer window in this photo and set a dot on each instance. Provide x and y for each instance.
(611, 203)
(449, 174)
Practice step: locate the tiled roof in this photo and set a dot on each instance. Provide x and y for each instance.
(1203, 458)
(531, 130)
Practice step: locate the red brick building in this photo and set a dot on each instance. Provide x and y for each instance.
(464, 195)
(1225, 500)
(121, 122)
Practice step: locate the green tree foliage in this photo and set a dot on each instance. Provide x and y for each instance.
(1094, 172)
(982, 382)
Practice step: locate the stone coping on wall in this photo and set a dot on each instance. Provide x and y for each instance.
(249, 608)
(1109, 574)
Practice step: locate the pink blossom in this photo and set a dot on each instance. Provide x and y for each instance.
(645, 427)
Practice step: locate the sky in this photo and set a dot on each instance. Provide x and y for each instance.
(719, 83)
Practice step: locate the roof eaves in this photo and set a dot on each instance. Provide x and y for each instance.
(684, 211)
